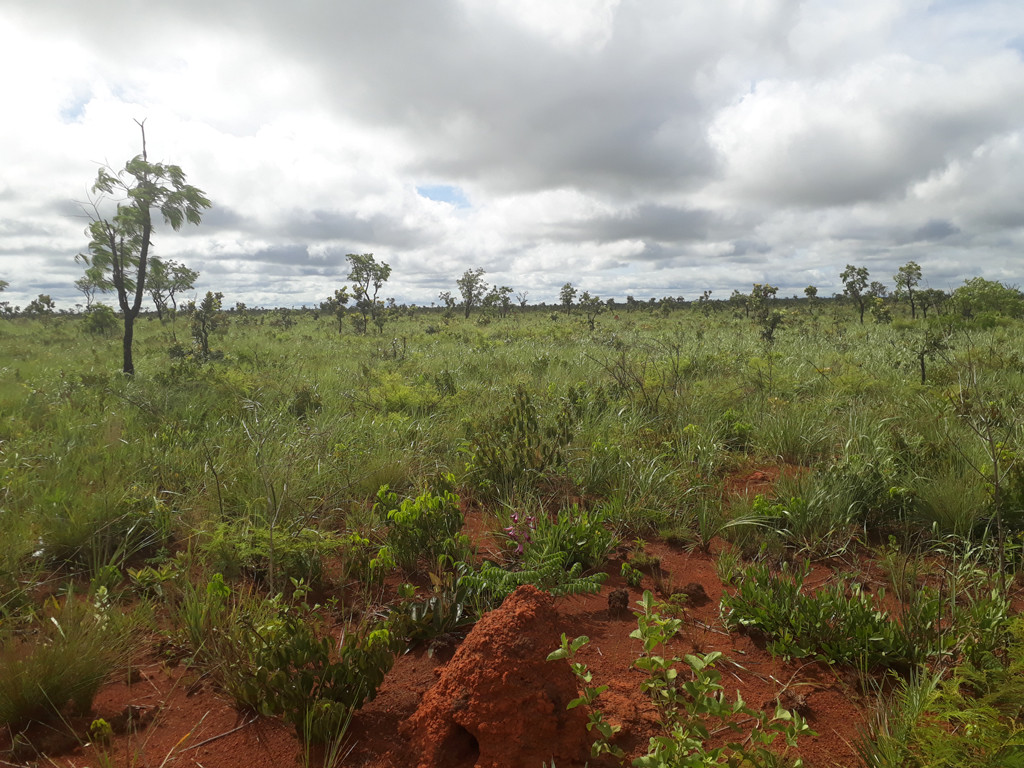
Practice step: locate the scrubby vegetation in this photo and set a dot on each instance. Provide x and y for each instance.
(245, 506)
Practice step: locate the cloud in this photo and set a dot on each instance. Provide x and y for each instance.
(647, 147)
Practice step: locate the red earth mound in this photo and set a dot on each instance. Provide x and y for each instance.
(498, 702)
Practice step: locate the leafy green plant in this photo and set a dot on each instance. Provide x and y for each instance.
(453, 604)
(276, 657)
(843, 624)
(493, 584)
(101, 732)
(295, 552)
(633, 577)
(425, 527)
(581, 534)
(686, 706)
(835, 624)
(968, 717)
(517, 445)
(595, 719)
(155, 581)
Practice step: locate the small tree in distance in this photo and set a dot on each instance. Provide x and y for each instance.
(166, 280)
(367, 273)
(931, 298)
(856, 281)
(498, 298)
(591, 306)
(336, 305)
(473, 288)
(567, 296)
(88, 286)
(119, 246)
(206, 318)
(907, 278)
(41, 306)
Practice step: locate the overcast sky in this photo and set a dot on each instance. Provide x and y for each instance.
(645, 147)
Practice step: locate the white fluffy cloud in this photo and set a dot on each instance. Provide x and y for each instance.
(652, 148)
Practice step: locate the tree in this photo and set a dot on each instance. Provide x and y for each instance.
(591, 306)
(856, 281)
(521, 298)
(811, 293)
(336, 305)
(907, 278)
(449, 302)
(931, 298)
(41, 306)
(3, 285)
(472, 287)
(88, 286)
(567, 297)
(206, 318)
(979, 295)
(739, 300)
(499, 298)
(367, 274)
(166, 279)
(100, 320)
(119, 246)
(762, 304)
(704, 302)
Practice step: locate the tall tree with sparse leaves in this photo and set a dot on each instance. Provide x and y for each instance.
(119, 246)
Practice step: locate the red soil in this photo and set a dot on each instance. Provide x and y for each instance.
(494, 673)
(192, 725)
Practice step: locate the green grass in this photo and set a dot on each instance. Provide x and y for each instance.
(265, 461)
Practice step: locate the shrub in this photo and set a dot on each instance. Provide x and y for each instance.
(297, 553)
(518, 446)
(425, 527)
(277, 658)
(844, 625)
(581, 535)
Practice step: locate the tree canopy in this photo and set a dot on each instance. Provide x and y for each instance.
(119, 245)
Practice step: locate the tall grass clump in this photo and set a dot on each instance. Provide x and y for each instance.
(74, 648)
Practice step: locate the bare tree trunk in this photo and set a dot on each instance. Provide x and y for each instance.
(129, 332)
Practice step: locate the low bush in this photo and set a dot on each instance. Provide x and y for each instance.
(277, 658)
(423, 528)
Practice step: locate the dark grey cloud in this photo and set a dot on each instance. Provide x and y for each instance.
(651, 221)
(936, 229)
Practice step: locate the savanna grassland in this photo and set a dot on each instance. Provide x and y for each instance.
(287, 516)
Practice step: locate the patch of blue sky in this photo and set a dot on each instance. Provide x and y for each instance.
(444, 193)
(72, 110)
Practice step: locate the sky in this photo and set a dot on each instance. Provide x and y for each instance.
(631, 147)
